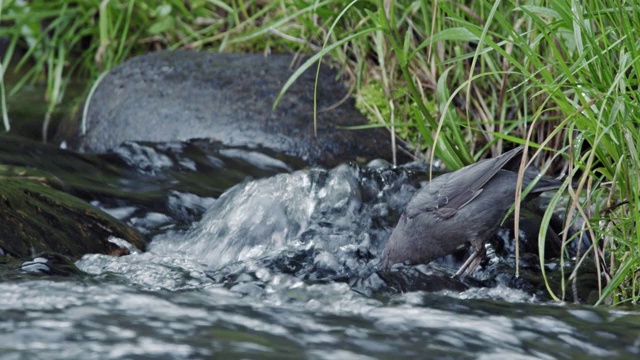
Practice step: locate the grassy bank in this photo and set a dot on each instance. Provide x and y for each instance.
(455, 80)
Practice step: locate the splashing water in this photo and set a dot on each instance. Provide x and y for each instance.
(323, 209)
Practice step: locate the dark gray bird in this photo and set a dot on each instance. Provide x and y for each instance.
(464, 206)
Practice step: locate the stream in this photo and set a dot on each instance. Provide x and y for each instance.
(250, 259)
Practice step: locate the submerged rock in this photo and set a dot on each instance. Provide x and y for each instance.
(50, 264)
(182, 95)
(37, 218)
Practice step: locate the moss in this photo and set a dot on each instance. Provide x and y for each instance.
(37, 218)
(372, 97)
(372, 101)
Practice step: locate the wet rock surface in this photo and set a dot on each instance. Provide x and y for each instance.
(37, 218)
(183, 95)
(140, 174)
(50, 264)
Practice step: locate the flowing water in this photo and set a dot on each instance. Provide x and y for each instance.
(282, 265)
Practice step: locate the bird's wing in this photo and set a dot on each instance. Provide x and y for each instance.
(450, 192)
(448, 210)
(478, 174)
(425, 200)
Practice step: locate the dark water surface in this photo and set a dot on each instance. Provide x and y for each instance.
(268, 269)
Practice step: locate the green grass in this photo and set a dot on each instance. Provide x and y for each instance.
(457, 82)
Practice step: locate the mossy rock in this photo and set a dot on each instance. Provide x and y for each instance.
(37, 218)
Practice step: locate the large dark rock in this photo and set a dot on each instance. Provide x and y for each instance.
(183, 95)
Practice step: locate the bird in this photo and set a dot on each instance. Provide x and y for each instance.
(463, 206)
